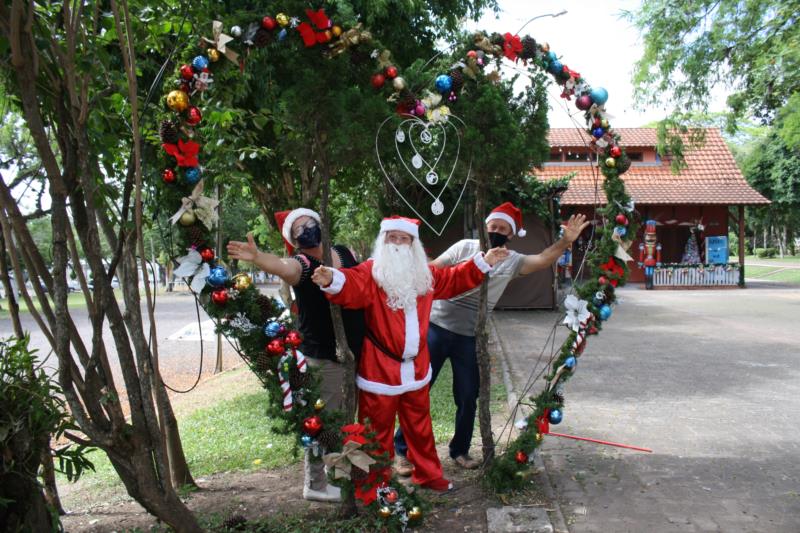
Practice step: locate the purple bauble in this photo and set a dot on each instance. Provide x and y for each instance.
(419, 110)
(282, 331)
(583, 102)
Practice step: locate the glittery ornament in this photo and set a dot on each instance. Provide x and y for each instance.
(177, 100)
(217, 277)
(193, 116)
(219, 297)
(282, 19)
(319, 405)
(213, 55)
(272, 329)
(443, 83)
(199, 63)
(192, 175)
(415, 513)
(242, 281)
(168, 176)
(384, 512)
(236, 31)
(207, 254)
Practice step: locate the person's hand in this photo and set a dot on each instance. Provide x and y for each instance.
(245, 251)
(322, 276)
(574, 227)
(496, 255)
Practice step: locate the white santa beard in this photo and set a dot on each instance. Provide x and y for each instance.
(401, 271)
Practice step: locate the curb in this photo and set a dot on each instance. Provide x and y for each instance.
(556, 516)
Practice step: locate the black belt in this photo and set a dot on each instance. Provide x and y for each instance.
(375, 342)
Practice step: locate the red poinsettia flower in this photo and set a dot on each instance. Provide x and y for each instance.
(355, 437)
(353, 428)
(512, 46)
(614, 271)
(306, 31)
(185, 153)
(367, 489)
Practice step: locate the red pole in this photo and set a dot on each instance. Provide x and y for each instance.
(607, 443)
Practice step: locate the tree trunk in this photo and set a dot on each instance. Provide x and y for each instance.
(482, 339)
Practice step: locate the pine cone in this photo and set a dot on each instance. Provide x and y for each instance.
(358, 57)
(235, 522)
(168, 132)
(528, 47)
(195, 235)
(497, 39)
(262, 38)
(457, 80)
(623, 164)
(329, 439)
(263, 362)
(265, 303)
(407, 99)
(298, 380)
(356, 474)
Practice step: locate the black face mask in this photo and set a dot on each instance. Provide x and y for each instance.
(310, 238)
(497, 239)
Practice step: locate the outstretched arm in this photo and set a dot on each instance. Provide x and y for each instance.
(453, 280)
(572, 230)
(348, 287)
(289, 270)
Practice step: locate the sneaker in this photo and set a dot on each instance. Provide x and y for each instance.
(440, 485)
(402, 466)
(330, 494)
(466, 462)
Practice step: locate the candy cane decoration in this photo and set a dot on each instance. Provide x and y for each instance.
(283, 378)
(301, 361)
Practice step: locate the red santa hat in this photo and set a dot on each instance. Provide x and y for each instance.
(509, 213)
(286, 219)
(396, 223)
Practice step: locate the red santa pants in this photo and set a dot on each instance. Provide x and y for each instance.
(414, 410)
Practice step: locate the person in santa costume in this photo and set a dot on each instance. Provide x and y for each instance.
(396, 288)
(302, 233)
(452, 331)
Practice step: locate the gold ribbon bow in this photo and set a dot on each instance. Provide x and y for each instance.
(351, 455)
(204, 207)
(622, 248)
(220, 42)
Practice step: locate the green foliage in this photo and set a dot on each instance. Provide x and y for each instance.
(766, 253)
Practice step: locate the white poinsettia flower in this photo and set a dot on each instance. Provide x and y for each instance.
(577, 313)
(192, 265)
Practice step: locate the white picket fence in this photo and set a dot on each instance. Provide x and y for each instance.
(693, 276)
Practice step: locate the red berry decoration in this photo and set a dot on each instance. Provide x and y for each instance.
(378, 80)
(207, 254)
(616, 151)
(187, 72)
(602, 280)
(169, 175)
(312, 425)
(193, 116)
(268, 23)
(521, 457)
(293, 339)
(391, 72)
(622, 220)
(276, 347)
(220, 297)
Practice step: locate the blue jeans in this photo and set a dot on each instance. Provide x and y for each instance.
(460, 349)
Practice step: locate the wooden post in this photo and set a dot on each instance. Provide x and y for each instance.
(741, 246)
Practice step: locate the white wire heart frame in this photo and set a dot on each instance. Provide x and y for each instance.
(407, 130)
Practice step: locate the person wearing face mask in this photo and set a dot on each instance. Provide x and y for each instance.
(452, 330)
(302, 236)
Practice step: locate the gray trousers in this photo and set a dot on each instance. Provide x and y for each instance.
(331, 375)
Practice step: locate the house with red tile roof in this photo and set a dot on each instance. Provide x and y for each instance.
(705, 201)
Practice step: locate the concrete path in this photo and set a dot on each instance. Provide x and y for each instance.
(710, 380)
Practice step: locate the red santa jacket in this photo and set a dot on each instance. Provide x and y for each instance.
(402, 331)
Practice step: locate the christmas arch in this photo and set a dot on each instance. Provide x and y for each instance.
(259, 326)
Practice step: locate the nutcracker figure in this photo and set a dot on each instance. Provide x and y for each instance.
(649, 253)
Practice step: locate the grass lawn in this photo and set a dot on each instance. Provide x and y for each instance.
(795, 259)
(75, 300)
(773, 273)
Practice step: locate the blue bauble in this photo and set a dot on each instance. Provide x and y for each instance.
(217, 277)
(551, 56)
(272, 329)
(570, 362)
(620, 230)
(307, 440)
(599, 95)
(282, 34)
(556, 67)
(597, 301)
(199, 63)
(555, 416)
(598, 132)
(444, 83)
(192, 175)
(605, 312)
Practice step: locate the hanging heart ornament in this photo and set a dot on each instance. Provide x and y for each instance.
(424, 156)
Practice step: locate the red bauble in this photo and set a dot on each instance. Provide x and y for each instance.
(193, 116)
(622, 220)
(521, 457)
(185, 87)
(597, 122)
(602, 280)
(616, 151)
(207, 254)
(392, 496)
(268, 23)
(312, 425)
(169, 175)
(276, 347)
(378, 80)
(293, 339)
(220, 296)
(187, 72)
(472, 53)
(391, 72)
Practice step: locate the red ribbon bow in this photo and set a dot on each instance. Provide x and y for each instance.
(185, 153)
(512, 46)
(321, 21)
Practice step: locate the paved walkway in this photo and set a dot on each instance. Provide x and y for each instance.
(710, 380)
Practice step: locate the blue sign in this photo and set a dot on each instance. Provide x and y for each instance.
(717, 250)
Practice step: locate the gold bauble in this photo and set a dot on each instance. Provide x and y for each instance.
(242, 282)
(213, 55)
(415, 513)
(336, 30)
(398, 83)
(385, 512)
(539, 437)
(282, 19)
(319, 405)
(604, 123)
(188, 218)
(178, 101)
(611, 162)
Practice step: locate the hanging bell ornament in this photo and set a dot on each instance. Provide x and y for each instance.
(611, 162)
(178, 101)
(236, 31)
(207, 254)
(319, 405)
(219, 297)
(213, 55)
(194, 116)
(282, 19)
(398, 83)
(415, 513)
(168, 176)
(242, 282)
(188, 218)
(385, 512)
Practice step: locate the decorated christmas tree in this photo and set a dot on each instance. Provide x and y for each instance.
(691, 253)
